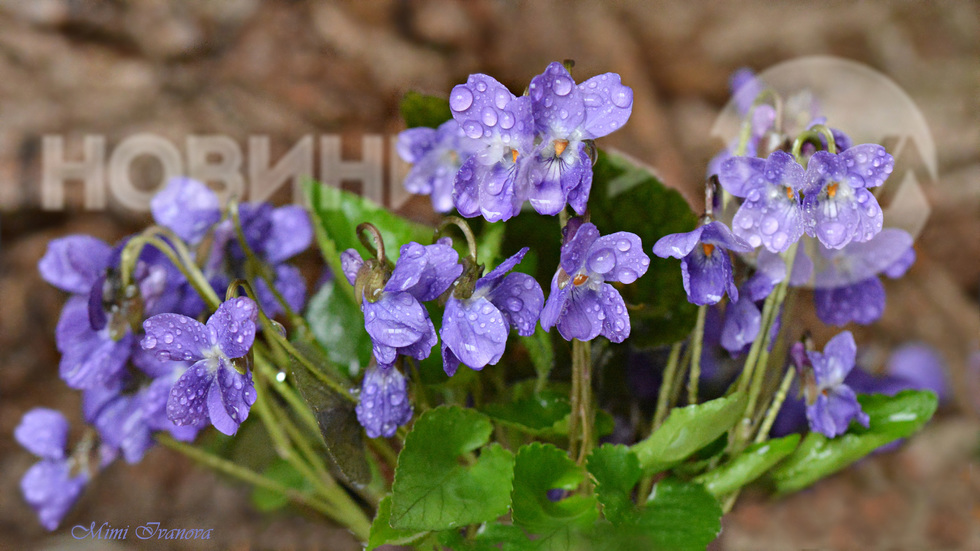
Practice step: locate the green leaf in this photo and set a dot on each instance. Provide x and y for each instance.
(422, 110)
(536, 414)
(680, 516)
(538, 469)
(626, 196)
(432, 490)
(891, 418)
(382, 533)
(337, 323)
(748, 465)
(686, 430)
(616, 471)
(281, 471)
(335, 415)
(337, 213)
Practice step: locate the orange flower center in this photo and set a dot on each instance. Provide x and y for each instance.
(513, 154)
(560, 146)
(789, 193)
(580, 279)
(708, 248)
(832, 189)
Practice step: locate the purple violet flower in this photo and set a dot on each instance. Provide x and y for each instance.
(581, 304)
(49, 486)
(565, 116)
(437, 154)
(487, 182)
(831, 405)
(188, 207)
(705, 265)
(212, 387)
(474, 329)
(838, 206)
(384, 404)
(771, 214)
(394, 316)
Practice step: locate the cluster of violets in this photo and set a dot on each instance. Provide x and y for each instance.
(500, 150)
(825, 195)
(137, 352)
(481, 309)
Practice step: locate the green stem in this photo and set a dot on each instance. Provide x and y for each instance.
(663, 399)
(584, 366)
(697, 340)
(777, 403)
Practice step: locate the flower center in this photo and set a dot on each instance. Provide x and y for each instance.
(514, 154)
(580, 279)
(708, 248)
(789, 193)
(832, 189)
(560, 146)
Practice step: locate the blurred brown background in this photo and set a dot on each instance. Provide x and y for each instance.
(288, 69)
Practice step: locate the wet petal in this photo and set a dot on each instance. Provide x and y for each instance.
(384, 404)
(579, 319)
(742, 323)
(187, 404)
(233, 326)
(413, 144)
(520, 299)
(608, 105)
(717, 233)
(351, 262)
(50, 490)
(486, 110)
(740, 175)
(615, 318)
(625, 251)
(290, 234)
(554, 305)
(862, 302)
(868, 165)
(497, 274)
(175, 337)
(678, 245)
(230, 398)
(43, 432)
(707, 278)
(574, 254)
(773, 220)
(558, 104)
(475, 331)
(396, 320)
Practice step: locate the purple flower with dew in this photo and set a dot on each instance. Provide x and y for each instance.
(565, 116)
(771, 214)
(742, 323)
(437, 154)
(49, 486)
(384, 404)
(212, 388)
(838, 206)
(581, 304)
(831, 404)
(487, 182)
(394, 316)
(474, 329)
(705, 265)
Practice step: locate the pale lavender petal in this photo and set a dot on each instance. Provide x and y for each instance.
(43, 432)
(678, 245)
(782, 170)
(50, 490)
(396, 320)
(775, 222)
(384, 404)
(121, 425)
(520, 299)
(615, 318)
(868, 165)
(740, 175)
(94, 360)
(618, 257)
(441, 269)
(921, 367)
(351, 262)
(74, 263)
(153, 405)
(832, 366)
(574, 254)
(230, 398)
(290, 234)
(466, 188)
(547, 188)
(554, 305)
(187, 404)
(175, 337)
(822, 169)
(578, 195)
(413, 144)
(742, 323)
(187, 207)
(608, 105)
(558, 104)
(475, 331)
(831, 414)
(421, 348)
(898, 268)
(861, 260)
(862, 302)
(717, 233)
(233, 326)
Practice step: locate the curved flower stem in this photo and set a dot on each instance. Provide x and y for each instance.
(379, 250)
(813, 135)
(697, 342)
(777, 403)
(244, 474)
(663, 399)
(463, 227)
